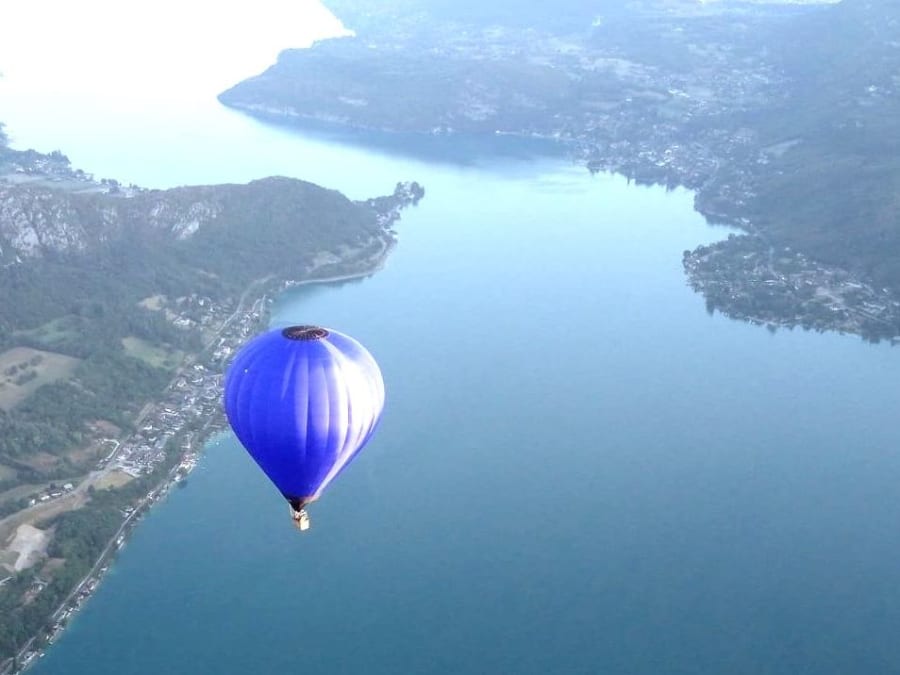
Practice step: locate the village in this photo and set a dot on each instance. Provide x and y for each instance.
(170, 432)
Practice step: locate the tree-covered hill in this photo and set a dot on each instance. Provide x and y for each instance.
(103, 252)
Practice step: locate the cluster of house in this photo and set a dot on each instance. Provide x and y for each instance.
(52, 493)
(194, 396)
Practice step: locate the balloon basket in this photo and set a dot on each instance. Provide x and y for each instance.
(300, 518)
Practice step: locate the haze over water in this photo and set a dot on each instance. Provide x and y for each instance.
(578, 470)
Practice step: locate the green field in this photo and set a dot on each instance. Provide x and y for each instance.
(23, 370)
(155, 355)
(51, 333)
(114, 479)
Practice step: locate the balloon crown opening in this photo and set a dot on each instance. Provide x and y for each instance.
(304, 333)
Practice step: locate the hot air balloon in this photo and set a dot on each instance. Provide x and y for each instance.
(303, 401)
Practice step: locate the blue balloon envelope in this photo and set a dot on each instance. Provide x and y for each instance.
(303, 401)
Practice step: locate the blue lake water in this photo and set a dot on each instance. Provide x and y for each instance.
(578, 471)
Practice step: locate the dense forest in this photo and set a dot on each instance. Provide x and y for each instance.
(107, 385)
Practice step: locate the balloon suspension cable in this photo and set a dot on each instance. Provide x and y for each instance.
(299, 514)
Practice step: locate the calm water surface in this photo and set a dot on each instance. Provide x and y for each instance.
(578, 471)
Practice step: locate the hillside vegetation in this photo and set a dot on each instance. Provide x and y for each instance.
(81, 265)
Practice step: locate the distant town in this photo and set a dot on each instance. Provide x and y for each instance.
(745, 278)
(716, 97)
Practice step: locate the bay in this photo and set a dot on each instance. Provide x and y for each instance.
(579, 470)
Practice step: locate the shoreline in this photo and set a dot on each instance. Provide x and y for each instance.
(59, 619)
(874, 318)
(377, 261)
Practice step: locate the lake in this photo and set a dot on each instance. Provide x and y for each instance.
(579, 470)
